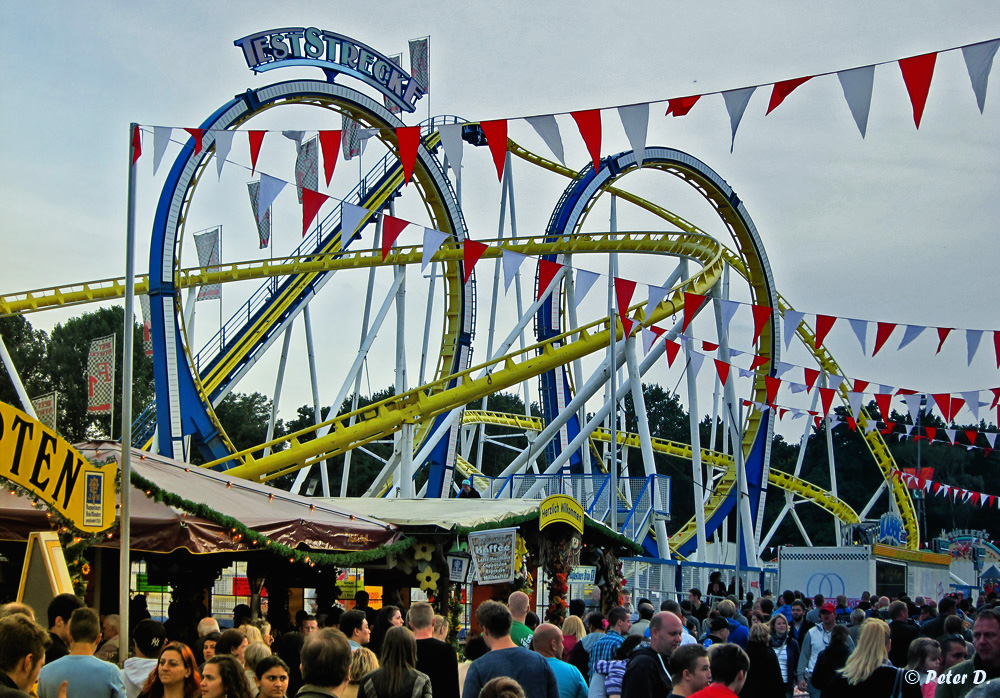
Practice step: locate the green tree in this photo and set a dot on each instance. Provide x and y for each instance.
(245, 418)
(65, 365)
(27, 347)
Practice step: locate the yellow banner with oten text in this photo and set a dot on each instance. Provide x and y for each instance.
(36, 458)
(561, 508)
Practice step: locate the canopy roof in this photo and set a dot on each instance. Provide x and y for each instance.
(285, 518)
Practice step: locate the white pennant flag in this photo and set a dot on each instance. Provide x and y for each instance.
(857, 85)
(648, 339)
(971, 398)
(781, 368)
(792, 320)
(835, 381)
(796, 387)
(736, 353)
(991, 437)
(511, 263)
(547, 127)
(584, 281)
(655, 297)
(635, 121)
(451, 138)
(433, 239)
(351, 217)
(951, 434)
(860, 328)
(972, 338)
(736, 104)
(746, 373)
(911, 333)
(161, 139)
(834, 420)
(223, 144)
(696, 360)
(270, 187)
(296, 136)
(855, 400)
(913, 406)
(728, 310)
(979, 61)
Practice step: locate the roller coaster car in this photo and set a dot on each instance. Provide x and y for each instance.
(472, 133)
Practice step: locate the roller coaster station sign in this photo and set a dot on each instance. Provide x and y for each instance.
(334, 54)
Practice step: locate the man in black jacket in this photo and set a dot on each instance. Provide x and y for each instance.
(646, 675)
(935, 627)
(901, 633)
(22, 653)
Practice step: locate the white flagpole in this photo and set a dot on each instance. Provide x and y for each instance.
(124, 529)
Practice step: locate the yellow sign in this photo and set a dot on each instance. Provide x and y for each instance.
(37, 459)
(561, 508)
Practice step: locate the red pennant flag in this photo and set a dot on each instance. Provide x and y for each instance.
(974, 499)
(811, 375)
(758, 361)
(956, 404)
(589, 123)
(884, 329)
(826, 396)
(496, 138)
(136, 143)
(824, 323)
(709, 346)
(883, 400)
(761, 313)
(931, 432)
(782, 411)
(672, 348)
(628, 324)
(996, 346)
(723, 369)
(692, 301)
(889, 427)
(391, 228)
(816, 422)
(917, 72)
(329, 143)
(943, 401)
(943, 333)
(546, 272)
(783, 89)
(680, 106)
(971, 435)
(860, 385)
(656, 330)
(772, 384)
(623, 293)
(852, 423)
(256, 139)
(996, 397)
(408, 138)
(197, 134)
(311, 202)
(472, 252)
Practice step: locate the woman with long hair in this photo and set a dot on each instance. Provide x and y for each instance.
(397, 676)
(441, 628)
(573, 631)
(388, 617)
(176, 674)
(764, 679)
(597, 625)
(224, 678)
(923, 657)
(786, 651)
(868, 671)
(363, 662)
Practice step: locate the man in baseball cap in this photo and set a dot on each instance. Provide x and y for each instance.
(815, 642)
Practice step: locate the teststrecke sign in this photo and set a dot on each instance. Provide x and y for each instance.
(334, 53)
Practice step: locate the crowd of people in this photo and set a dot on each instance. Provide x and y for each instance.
(703, 646)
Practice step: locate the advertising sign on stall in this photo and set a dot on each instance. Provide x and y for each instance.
(493, 555)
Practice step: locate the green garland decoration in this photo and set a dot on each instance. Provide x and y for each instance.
(240, 533)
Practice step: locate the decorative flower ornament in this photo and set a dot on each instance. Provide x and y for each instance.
(422, 550)
(428, 578)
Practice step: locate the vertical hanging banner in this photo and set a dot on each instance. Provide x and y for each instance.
(350, 138)
(420, 62)
(389, 104)
(263, 224)
(307, 166)
(45, 409)
(207, 245)
(147, 325)
(101, 375)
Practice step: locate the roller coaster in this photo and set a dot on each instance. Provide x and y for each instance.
(432, 425)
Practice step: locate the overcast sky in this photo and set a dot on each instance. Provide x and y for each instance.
(900, 226)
